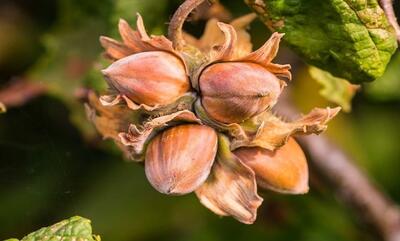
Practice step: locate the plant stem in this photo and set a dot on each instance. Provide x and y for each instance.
(349, 182)
(20, 91)
(387, 6)
(176, 23)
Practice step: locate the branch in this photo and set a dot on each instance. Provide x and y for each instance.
(176, 24)
(20, 91)
(387, 6)
(350, 183)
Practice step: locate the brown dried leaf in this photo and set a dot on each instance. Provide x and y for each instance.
(243, 43)
(282, 70)
(135, 41)
(114, 49)
(225, 52)
(137, 136)
(183, 103)
(266, 53)
(233, 129)
(213, 36)
(231, 189)
(272, 132)
(110, 120)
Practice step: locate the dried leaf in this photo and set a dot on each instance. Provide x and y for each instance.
(135, 41)
(183, 103)
(137, 136)
(213, 36)
(266, 53)
(114, 49)
(231, 189)
(110, 121)
(272, 132)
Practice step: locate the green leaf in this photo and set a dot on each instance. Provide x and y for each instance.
(336, 90)
(387, 87)
(72, 229)
(350, 39)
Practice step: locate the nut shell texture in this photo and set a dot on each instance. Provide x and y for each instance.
(179, 159)
(235, 91)
(284, 170)
(151, 78)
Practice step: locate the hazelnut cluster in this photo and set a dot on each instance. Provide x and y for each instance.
(199, 115)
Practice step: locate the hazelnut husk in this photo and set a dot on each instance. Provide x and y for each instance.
(148, 73)
(235, 87)
(197, 112)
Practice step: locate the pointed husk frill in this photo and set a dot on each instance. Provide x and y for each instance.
(231, 188)
(267, 130)
(236, 85)
(132, 130)
(148, 74)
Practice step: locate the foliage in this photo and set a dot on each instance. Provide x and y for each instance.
(349, 39)
(387, 87)
(48, 170)
(73, 229)
(336, 90)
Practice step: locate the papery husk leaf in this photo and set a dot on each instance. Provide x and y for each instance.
(272, 132)
(283, 170)
(243, 43)
(225, 52)
(233, 129)
(213, 36)
(138, 136)
(184, 102)
(231, 188)
(140, 41)
(111, 120)
(266, 53)
(135, 42)
(115, 50)
(232, 42)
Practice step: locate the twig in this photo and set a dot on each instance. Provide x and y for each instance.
(387, 6)
(176, 24)
(350, 183)
(19, 92)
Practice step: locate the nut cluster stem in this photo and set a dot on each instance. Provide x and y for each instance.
(176, 23)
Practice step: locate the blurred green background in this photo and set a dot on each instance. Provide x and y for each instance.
(53, 165)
